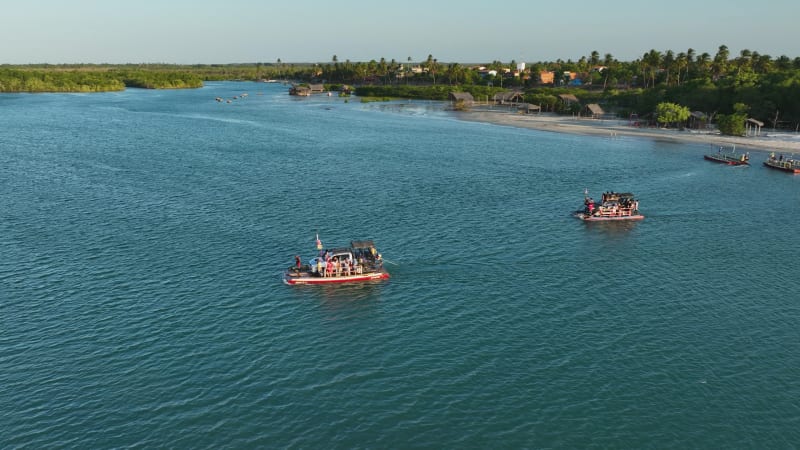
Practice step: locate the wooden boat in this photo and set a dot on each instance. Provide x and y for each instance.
(613, 206)
(790, 165)
(358, 263)
(729, 157)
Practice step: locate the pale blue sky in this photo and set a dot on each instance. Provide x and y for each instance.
(472, 31)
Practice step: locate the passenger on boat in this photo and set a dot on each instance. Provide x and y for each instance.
(320, 269)
(297, 261)
(329, 268)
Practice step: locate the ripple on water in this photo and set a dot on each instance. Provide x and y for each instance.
(142, 304)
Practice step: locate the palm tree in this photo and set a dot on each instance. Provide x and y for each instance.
(704, 63)
(651, 62)
(783, 62)
(681, 61)
(383, 70)
(669, 63)
(762, 63)
(720, 63)
(743, 61)
(594, 59)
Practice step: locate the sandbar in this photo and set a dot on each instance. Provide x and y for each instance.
(768, 140)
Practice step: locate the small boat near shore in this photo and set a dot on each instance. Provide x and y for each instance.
(790, 165)
(729, 157)
(358, 263)
(613, 206)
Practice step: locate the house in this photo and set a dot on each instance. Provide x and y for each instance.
(461, 98)
(547, 77)
(317, 88)
(512, 97)
(594, 111)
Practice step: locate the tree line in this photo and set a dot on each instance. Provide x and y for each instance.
(93, 79)
(749, 83)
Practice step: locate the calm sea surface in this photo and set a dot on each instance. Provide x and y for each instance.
(142, 235)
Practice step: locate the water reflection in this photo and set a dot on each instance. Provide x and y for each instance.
(343, 300)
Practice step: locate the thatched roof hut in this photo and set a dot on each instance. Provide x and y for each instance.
(512, 97)
(530, 108)
(464, 97)
(568, 98)
(594, 110)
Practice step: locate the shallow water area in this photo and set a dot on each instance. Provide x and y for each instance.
(144, 233)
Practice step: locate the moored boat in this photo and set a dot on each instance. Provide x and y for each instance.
(613, 206)
(357, 263)
(729, 157)
(790, 165)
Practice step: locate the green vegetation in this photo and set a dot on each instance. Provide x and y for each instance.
(733, 124)
(92, 78)
(19, 80)
(160, 80)
(770, 87)
(671, 113)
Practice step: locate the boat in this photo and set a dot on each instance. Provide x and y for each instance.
(358, 263)
(613, 206)
(790, 165)
(729, 157)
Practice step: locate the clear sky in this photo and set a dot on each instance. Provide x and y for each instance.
(465, 31)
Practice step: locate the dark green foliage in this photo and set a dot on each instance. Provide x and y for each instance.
(160, 80)
(731, 124)
(711, 84)
(430, 92)
(19, 80)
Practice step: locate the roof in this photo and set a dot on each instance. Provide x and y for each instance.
(465, 96)
(594, 108)
(757, 122)
(508, 95)
(698, 114)
(568, 97)
(362, 244)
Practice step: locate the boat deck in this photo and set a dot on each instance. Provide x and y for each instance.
(302, 277)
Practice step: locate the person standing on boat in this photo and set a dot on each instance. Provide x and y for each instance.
(297, 261)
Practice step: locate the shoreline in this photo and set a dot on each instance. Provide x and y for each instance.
(505, 116)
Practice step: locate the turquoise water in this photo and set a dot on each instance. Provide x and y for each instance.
(143, 234)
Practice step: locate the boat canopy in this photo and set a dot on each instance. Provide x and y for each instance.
(362, 244)
(617, 196)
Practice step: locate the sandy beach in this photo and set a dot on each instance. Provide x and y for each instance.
(768, 140)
